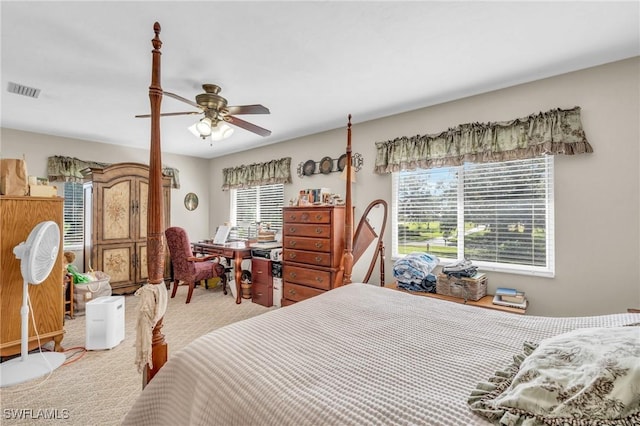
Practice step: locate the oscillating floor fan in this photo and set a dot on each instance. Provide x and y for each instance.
(38, 256)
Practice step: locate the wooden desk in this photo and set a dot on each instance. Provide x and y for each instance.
(236, 251)
(486, 302)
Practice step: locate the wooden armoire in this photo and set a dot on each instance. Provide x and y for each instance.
(116, 200)
(19, 215)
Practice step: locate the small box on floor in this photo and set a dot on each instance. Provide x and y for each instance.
(104, 322)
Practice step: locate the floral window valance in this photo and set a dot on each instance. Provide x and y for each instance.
(274, 171)
(69, 169)
(553, 132)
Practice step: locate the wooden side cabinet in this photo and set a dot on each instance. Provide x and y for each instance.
(19, 216)
(261, 282)
(313, 245)
(116, 200)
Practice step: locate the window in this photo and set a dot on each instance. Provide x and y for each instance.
(498, 215)
(256, 204)
(73, 214)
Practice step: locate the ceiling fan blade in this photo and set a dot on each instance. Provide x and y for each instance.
(248, 109)
(247, 126)
(180, 98)
(170, 113)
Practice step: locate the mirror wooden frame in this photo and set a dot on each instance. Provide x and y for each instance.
(366, 235)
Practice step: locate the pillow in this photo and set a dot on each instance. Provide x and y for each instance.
(584, 377)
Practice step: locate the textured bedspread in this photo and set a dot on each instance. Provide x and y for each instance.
(357, 355)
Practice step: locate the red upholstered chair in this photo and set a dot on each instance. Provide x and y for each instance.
(189, 269)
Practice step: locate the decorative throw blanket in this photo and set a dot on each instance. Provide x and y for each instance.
(152, 306)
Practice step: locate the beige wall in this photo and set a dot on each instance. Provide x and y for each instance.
(597, 196)
(36, 148)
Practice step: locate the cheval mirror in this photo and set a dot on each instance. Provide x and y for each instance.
(368, 244)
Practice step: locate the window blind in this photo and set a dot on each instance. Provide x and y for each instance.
(499, 215)
(73, 214)
(256, 204)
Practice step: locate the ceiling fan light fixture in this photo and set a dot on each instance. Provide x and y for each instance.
(221, 131)
(204, 127)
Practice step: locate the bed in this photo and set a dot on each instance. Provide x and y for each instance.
(359, 354)
(363, 354)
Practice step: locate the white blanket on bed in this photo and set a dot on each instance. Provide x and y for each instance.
(357, 355)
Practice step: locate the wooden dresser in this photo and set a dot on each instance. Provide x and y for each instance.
(313, 245)
(19, 216)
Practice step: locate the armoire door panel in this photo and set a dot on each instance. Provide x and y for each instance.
(116, 211)
(141, 264)
(143, 200)
(116, 260)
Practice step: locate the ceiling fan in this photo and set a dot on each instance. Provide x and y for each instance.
(217, 113)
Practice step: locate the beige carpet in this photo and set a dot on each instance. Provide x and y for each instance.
(100, 387)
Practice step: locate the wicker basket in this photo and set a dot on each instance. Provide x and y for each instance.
(474, 288)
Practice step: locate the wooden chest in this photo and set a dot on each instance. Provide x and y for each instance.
(313, 244)
(19, 216)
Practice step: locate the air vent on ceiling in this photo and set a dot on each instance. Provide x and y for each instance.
(19, 89)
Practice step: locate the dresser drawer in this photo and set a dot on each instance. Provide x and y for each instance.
(262, 294)
(261, 271)
(307, 216)
(308, 257)
(307, 276)
(300, 229)
(296, 293)
(306, 243)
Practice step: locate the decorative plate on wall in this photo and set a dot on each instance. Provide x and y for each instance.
(309, 168)
(326, 165)
(191, 201)
(342, 161)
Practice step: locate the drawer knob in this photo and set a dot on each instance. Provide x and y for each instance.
(293, 243)
(291, 291)
(292, 274)
(259, 271)
(318, 230)
(292, 229)
(292, 255)
(318, 259)
(319, 279)
(305, 216)
(318, 216)
(319, 245)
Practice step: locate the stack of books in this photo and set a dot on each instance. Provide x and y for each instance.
(510, 297)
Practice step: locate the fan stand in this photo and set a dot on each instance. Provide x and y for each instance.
(28, 366)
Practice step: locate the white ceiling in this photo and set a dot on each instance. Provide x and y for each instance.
(310, 63)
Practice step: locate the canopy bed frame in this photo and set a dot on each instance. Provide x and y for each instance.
(155, 218)
(364, 354)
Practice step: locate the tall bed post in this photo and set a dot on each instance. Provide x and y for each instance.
(155, 208)
(347, 259)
